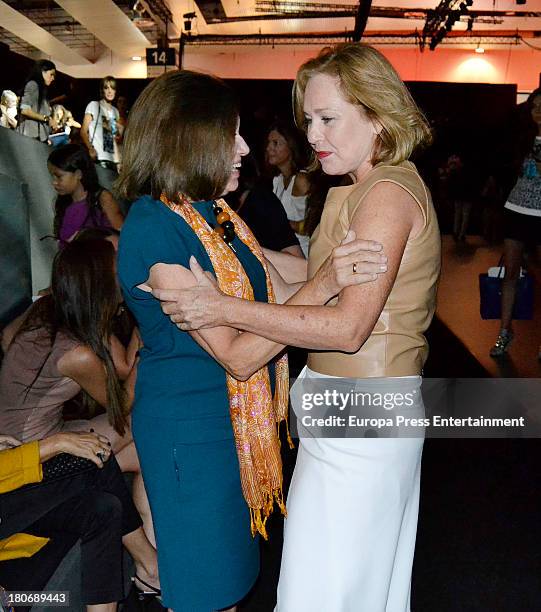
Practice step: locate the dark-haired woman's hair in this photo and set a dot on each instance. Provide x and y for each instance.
(180, 138)
(70, 158)
(36, 74)
(295, 141)
(83, 301)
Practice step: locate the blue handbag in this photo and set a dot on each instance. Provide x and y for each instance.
(490, 290)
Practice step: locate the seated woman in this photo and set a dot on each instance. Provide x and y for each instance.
(43, 516)
(81, 201)
(63, 344)
(62, 122)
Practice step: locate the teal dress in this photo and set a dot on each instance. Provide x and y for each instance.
(207, 557)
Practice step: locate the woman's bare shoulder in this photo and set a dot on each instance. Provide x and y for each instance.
(301, 186)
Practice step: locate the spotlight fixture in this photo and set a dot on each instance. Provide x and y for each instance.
(479, 49)
(188, 17)
(441, 20)
(136, 58)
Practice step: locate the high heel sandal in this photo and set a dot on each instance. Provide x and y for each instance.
(147, 591)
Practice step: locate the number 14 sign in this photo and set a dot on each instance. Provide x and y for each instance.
(160, 60)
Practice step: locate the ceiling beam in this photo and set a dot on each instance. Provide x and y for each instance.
(503, 37)
(361, 18)
(38, 37)
(109, 25)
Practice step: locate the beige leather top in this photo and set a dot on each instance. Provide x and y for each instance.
(396, 346)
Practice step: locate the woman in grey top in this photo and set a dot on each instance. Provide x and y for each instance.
(35, 107)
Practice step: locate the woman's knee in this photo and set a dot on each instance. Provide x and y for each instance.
(103, 513)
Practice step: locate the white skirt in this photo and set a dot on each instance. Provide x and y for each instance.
(350, 533)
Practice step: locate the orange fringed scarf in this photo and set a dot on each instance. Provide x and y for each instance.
(255, 414)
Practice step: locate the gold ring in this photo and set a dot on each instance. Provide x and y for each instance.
(355, 268)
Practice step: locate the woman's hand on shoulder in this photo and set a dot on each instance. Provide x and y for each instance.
(193, 307)
(88, 445)
(353, 262)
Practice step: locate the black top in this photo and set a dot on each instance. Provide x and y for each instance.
(265, 216)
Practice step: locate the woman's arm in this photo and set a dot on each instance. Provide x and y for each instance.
(241, 354)
(29, 101)
(337, 272)
(388, 214)
(30, 114)
(291, 268)
(124, 358)
(111, 208)
(83, 366)
(80, 444)
(301, 186)
(85, 137)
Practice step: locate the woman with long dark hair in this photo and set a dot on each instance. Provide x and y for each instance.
(35, 107)
(63, 345)
(284, 153)
(82, 202)
(67, 335)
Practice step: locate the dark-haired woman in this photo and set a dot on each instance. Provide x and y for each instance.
(290, 185)
(82, 202)
(35, 107)
(206, 403)
(63, 345)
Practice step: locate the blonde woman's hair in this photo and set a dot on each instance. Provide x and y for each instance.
(368, 80)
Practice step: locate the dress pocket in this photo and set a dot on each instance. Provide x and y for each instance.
(206, 471)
